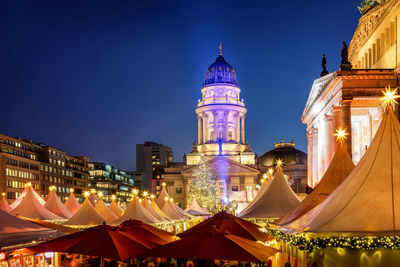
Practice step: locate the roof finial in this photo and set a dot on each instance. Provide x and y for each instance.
(220, 48)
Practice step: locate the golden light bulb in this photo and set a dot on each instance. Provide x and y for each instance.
(164, 184)
(279, 162)
(113, 197)
(389, 96)
(140, 200)
(166, 198)
(71, 190)
(145, 193)
(341, 134)
(100, 194)
(171, 199)
(135, 191)
(28, 184)
(270, 171)
(86, 194)
(152, 196)
(262, 181)
(3, 194)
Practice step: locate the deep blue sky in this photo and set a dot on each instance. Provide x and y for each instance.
(95, 78)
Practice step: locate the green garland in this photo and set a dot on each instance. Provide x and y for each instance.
(311, 244)
(260, 221)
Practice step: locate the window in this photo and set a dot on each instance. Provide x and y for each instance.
(235, 188)
(178, 190)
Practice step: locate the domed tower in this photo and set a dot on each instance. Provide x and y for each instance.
(221, 115)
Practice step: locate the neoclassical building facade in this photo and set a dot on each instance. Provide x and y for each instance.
(349, 97)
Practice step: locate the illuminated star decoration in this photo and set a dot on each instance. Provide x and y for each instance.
(341, 134)
(389, 96)
(279, 162)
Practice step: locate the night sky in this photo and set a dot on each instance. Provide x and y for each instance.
(96, 78)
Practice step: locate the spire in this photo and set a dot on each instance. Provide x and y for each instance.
(220, 48)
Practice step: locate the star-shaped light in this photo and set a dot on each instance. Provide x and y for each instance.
(389, 96)
(113, 197)
(86, 194)
(135, 191)
(100, 194)
(270, 171)
(341, 134)
(71, 190)
(279, 162)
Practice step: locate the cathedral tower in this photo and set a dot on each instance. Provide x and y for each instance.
(221, 116)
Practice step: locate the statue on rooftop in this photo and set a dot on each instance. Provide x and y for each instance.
(324, 71)
(345, 63)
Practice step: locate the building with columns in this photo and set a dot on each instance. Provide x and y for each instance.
(221, 141)
(220, 117)
(349, 97)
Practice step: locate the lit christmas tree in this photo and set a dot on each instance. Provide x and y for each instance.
(203, 187)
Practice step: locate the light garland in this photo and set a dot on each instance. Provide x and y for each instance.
(353, 242)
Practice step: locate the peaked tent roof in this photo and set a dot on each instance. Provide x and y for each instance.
(180, 211)
(260, 192)
(368, 200)
(195, 209)
(14, 230)
(341, 165)
(86, 215)
(169, 210)
(55, 205)
(94, 199)
(115, 208)
(104, 211)
(4, 205)
(72, 203)
(19, 199)
(147, 205)
(277, 200)
(159, 211)
(160, 200)
(136, 211)
(31, 207)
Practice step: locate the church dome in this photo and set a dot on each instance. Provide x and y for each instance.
(220, 72)
(286, 152)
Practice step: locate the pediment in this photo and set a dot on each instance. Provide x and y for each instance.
(220, 165)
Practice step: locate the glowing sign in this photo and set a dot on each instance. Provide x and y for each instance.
(2, 256)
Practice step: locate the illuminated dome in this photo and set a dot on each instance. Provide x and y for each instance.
(220, 72)
(285, 152)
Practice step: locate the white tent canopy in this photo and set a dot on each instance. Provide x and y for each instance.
(159, 211)
(4, 205)
(136, 211)
(195, 209)
(31, 207)
(260, 192)
(276, 200)
(55, 205)
(19, 199)
(147, 205)
(160, 200)
(171, 212)
(117, 210)
(86, 215)
(72, 203)
(104, 211)
(341, 165)
(368, 200)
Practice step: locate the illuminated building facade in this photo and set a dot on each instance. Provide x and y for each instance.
(23, 161)
(110, 181)
(220, 140)
(349, 97)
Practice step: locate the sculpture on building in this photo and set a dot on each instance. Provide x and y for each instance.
(345, 63)
(324, 71)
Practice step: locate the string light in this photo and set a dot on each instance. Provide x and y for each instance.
(113, 197)
(71, 190)
(389, 96)
(279, 162)
(341, 134)
(164, 184)
(86, 194)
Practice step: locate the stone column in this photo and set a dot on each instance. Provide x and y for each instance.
(337, 122)
(237, 128)
(314, 154)
(215, 126)
(199, 130)
(205, 127)
(242, 128)
(346, 123)
(328, 120)
(226, 118)
(310, 158)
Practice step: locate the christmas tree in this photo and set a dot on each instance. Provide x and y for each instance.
(203, 187)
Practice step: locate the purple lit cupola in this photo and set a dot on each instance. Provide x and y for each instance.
(221, 114)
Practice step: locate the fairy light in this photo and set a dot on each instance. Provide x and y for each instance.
(3, 194)
(171, 200)
(341, 134)
(279, 162)
(389, 96)
(145, 193)
(164, 184)
(166, 199)
(113, 197)
(28, 184)
(135, 191)
(71, 190)
(270, 171)
(152, 196)
(52, 188)
(100, 194)
(86, 194)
